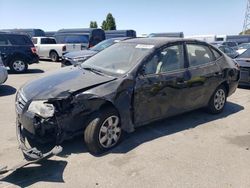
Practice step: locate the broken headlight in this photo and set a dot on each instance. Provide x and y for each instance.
(42, 108)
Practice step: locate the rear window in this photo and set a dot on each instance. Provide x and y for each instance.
(19, 40)
(48, 41)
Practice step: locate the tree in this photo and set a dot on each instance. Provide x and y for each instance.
(93, 24)
(247, 32)
(104, 25)
(109, 23)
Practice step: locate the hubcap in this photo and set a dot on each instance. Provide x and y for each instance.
(110, 132)
(53, 56)
(19, 65)
(219, 99)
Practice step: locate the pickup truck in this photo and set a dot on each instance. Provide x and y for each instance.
(47, 47)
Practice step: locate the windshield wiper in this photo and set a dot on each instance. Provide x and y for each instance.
(93, 70)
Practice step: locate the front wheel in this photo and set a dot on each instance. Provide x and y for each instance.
(103, 132)
(218, 100)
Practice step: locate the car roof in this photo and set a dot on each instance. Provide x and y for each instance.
(12, 33)
(159, 41)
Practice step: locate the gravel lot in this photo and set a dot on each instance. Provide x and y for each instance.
(191, 150)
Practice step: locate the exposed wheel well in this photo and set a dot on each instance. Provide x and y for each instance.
(108, 104)
(225, 84)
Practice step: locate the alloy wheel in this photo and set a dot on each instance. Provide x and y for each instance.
(110, 132)
(219, 99)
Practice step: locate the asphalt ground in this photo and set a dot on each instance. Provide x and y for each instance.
(195, 149)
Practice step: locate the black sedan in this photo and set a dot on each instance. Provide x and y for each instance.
(73, 58)
(127, 85)
(243, 61)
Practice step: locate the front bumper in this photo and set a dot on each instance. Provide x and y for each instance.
(244, 76)
(3, 75)
(32, 153)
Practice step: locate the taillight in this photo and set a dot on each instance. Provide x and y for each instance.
(90, 45)
(33, 49)
(236, 64)
(64, 48)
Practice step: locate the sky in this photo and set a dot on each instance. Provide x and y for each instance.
(193, 17)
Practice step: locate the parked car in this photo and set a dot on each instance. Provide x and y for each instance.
(243, 61)
(77, 57)
(171, 34)
(120, 33)
(231, 44)
(47, 47)
(227, 50)
(29, 32)
(3, 72)
(130, 84)
(86, 37)
(50, 33)
(17, 51)
(243, 47)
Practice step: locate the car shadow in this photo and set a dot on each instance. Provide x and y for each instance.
(45, 171)
(29, 71)
(52, 170)
(155, 130)
(243, 87)
(49, 60)
(6, 90)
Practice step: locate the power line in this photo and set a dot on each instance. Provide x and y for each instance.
(246, 25)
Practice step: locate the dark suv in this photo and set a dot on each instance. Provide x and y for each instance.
(17, 51)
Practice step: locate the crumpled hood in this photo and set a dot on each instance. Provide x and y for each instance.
(62, 83)
(81, 53)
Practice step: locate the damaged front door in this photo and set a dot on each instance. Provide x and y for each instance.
(159, 85)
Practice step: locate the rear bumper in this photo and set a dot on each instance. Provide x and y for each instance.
(33, 59)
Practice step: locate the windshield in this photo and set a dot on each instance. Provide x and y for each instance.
(246, 54)
(119, 58)
(102, 45)
(244, 45)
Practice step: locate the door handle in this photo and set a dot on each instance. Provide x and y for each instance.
(218, 73)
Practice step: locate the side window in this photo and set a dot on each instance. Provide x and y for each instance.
(167, 60)
(43, 41)
(217, 55)
(20, 40)
(199, 54)
(3, 41)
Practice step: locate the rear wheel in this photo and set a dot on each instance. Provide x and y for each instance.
(54, 56)
(103, 132)
(18, 65)
(218, 100)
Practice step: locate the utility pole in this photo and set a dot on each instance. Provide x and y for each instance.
(246, 25)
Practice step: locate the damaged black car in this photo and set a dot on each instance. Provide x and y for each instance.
(127, 85)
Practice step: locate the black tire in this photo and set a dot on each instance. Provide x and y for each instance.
(93, 133)
(216, 104)
(18, 65)
(54, 56)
